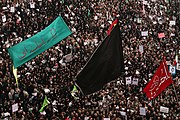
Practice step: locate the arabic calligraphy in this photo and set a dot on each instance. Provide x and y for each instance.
(158, 81)
(53, 34)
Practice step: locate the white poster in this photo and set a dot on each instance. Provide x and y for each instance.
(142, 111)
(164, 109)
(32, 5)
(172, 22)
(123, 113)
(172, 69)
(135, 81)
(68, 57)
(178, 66)
(144, 33)
(15, 107)
(12, 9)
(4, 18)
(141, 50)
(106, 118)
(128, 80)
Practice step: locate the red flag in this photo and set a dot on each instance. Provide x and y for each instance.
(111, 26)
(159, 82)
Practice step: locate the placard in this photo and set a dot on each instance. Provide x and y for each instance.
(144, 33)
(15, 107)
(106, 118)
(141, 50)
(12, 9)
(178, 66)
(123, 113)
(172, 22)
(172, 69)
(164, 109)
(4, 18)
(161, 35)
(142, 111)
(128, 80)
(135, 81)
(32, 5)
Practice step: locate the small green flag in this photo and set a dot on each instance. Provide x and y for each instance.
(73, 92)
(45, 103)
(15, 75)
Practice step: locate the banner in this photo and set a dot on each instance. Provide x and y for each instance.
(105, 64)
(161, 79)
(30, 48)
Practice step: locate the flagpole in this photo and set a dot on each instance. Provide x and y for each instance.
(175, 92)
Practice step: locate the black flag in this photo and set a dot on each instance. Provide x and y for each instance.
(105, 65)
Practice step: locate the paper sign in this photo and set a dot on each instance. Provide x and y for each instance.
(106, 118)
(135, 81)
(15, 107)
(32, 5)
(172, 22)
(12, 9)
(161, 35)
(144, 33)
(141, 49)
(164, 109)
(178, 66)
(128, 80)
(123, 113)
(172, 69)
(142, 111)
(4, 18)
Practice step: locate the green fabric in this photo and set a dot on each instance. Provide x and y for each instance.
(45, 103)
(30, 48)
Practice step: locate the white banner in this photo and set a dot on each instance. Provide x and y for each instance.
(128, 80)
(164, 109)
(135, 81)
(142, 111)
(15, 107)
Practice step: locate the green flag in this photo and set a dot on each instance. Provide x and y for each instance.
(45, 103)
(43, 40)
(74, 91)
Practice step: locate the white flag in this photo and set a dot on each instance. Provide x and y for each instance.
(128, 80)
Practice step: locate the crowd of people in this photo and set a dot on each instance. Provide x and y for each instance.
(50, 74)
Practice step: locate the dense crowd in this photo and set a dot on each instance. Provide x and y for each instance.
(51, 75)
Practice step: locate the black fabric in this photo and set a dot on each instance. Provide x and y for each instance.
(105, 65)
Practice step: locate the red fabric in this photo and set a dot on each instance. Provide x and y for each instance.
(159, 82)
(111, 26)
